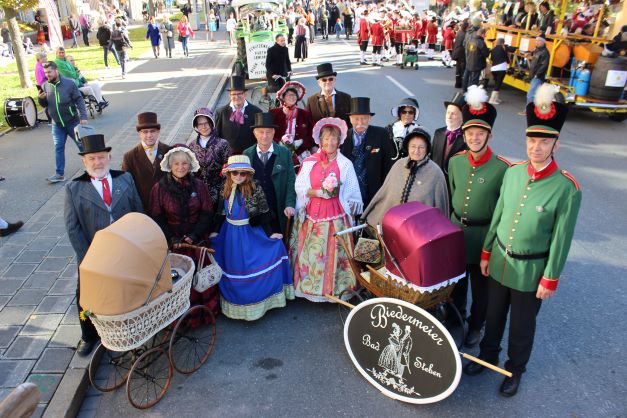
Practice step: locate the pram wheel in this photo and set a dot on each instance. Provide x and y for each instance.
(350, 296)
(149, 378)
(190, 346)
(108, 369)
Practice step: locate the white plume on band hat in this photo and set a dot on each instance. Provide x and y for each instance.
(193, 161)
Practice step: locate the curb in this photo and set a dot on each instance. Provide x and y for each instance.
(69, 395)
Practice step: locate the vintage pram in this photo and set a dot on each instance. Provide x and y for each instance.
(421, 258)
(136, 294)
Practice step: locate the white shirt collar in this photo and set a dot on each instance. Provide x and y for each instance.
(332, 93)
(243, 107)
(270, 150)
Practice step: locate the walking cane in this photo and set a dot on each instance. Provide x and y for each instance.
(288, 229)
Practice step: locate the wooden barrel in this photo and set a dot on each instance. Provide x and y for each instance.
(561, 56)
(608, 78)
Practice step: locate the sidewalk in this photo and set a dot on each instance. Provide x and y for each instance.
(38, 318)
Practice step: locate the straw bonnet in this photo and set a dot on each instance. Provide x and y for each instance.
(292, 85)
(335, 122)
(165, 163)
(238, 163)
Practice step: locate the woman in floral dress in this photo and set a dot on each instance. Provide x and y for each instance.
(328, 197)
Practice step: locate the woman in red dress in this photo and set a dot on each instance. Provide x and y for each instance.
(294, 123)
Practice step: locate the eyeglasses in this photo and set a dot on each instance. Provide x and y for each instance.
(408, 112)
(236, 94)
(239, 173)
(327, 80)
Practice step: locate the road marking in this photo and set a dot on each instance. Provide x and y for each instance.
(400, 86)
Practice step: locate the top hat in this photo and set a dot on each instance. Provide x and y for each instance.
(457, 100)
(325, 70)
(406, 102)
(93, 143)
(477, 112)
(545, 117)
(360, 106)
(237, 83)
(264, 120)
(147, 120)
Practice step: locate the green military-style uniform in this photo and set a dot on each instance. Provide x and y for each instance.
(475, 188)
(535, 217)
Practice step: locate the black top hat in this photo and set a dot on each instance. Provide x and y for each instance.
(147, 120)
(483, 117)
(93, 143)
(546, 121)
(457, 100)
(264, 120)
(325, 70)
(360, 106)
(237, 83)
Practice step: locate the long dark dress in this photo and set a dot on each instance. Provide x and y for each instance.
(300, 47)
(185, 209)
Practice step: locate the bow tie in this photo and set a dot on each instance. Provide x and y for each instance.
(451, 135)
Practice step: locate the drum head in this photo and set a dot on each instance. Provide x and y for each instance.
(402, 350)
(30, 111)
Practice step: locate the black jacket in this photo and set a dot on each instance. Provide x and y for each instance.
(539, 63)
(238, 136)
(476, 53)
(379, 154)
(278, 61)
(438, 149)
(459, 52)
(103, 35)
(498, 55)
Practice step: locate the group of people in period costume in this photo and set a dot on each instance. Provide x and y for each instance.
(288, 180)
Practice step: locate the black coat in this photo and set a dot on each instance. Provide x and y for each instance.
(459, 53)
(476, 53)
(539, 63)
(238, 136)
(498, 55)
(438, 148)
(278, 61)
(379, 153)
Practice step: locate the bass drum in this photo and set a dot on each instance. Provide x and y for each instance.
(20, 112)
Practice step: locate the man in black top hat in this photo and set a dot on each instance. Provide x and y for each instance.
(328, 102)
(94, 201)
(274, 170)
(234, 121)
(369, 148)
(448, 140)
(527, 244)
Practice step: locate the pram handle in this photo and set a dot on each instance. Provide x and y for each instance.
(348, 230)
(192, 247)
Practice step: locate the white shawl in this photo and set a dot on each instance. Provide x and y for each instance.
(350, 196)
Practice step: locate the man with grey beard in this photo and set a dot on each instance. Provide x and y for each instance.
(94, 201)
(369, 148)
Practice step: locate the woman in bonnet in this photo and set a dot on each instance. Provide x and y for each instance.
(327, 198)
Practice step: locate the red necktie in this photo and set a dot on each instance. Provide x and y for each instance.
(106, 191)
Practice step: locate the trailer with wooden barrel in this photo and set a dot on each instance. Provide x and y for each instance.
(577, 67)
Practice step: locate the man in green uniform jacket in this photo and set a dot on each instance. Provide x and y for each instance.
(528, 242)
(475, 178)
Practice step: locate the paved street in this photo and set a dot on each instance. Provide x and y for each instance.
(292, 362)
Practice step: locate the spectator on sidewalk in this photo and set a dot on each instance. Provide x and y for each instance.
(234, 121)
(83, 21)
(167, 34)
(90, 205)
(67, 111)
(300, 46)
(143, 161)
(231, 24)
(153, 33)
(104, 38)
(212, 23)
(74, 28)
(40, 75)
(68, 70)
(185, 31)
(476, 54)
(6, 39)
(121, 42)
(7, 228)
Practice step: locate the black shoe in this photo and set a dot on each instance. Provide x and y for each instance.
(472, 338)
(11, 228)
(363, 63)
(84, 348)
(509, 387)
(473, 369)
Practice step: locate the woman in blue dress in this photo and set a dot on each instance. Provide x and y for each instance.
(256, 272)
(152, 32)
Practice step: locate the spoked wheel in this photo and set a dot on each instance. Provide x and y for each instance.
(190, 345)
(108, 369)
(149, 378)
(351, 296)
(448, 314)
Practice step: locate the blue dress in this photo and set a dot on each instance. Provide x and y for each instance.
(256, 272)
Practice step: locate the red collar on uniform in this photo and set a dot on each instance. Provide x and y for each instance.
(545, 172)
(481, 161)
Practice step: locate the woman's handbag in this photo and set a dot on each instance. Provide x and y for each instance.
(367, 251)
(206, 275)
(180, 38)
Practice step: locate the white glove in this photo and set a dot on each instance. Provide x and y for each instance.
(276, 236)
(321, 194)
(298, 143)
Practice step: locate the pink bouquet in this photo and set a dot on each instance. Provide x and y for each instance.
(287, 139)
(330, 185)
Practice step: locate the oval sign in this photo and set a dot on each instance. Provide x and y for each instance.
(402, 350)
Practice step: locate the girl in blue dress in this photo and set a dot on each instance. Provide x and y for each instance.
(256, 271)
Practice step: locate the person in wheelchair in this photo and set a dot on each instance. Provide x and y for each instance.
(278, 65)
(68, 69)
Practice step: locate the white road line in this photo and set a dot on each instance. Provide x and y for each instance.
(400, 86)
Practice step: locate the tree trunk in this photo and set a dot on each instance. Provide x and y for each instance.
(18, 47)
